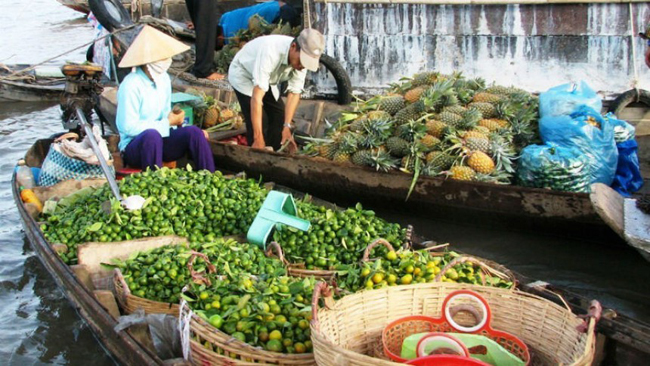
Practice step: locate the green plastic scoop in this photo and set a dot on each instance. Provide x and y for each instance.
(278, 208)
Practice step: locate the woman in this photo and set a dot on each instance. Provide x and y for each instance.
(150, 132)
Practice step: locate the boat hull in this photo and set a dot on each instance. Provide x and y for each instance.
(21, 92)
(119, 344)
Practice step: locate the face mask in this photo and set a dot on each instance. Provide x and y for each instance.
(159, 68)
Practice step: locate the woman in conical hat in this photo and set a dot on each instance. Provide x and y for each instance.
(150, 132)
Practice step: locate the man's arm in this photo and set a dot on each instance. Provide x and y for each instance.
(256, 118)
(293, 99)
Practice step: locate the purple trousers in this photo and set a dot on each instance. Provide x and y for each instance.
(149, 149)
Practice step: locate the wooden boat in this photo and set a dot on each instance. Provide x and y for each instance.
(621, 337)
(566, 213)
(174, 9)
(42, 84)
(622, 215)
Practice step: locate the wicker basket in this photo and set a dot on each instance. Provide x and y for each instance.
(349, 331)
(130, 303)
(223, 349)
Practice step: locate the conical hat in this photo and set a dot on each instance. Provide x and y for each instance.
(151, 45)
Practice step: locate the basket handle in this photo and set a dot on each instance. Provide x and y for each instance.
(323, 290)
(371, 246)
(278, 252)
(593, 316)
(408, 238)
(483, 321)
(453, 345)
(126, 291)
(199, 277)
(484, 267)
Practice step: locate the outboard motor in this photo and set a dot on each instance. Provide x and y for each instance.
(82, 89)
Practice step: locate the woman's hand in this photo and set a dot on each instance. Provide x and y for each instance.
(176, 119)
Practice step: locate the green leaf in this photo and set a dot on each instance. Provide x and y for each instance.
(187, 298)
(94, 227)
(296, 288)
(358, 206)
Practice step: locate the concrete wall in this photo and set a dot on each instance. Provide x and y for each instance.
(532, 46)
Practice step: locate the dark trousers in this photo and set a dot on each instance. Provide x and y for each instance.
(149, 149)
(272, 118)
(204, 17)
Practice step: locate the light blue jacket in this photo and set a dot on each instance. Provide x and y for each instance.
(142, 105)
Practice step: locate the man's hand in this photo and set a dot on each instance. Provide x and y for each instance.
(288, 136)
(259, 144)
(176, 119)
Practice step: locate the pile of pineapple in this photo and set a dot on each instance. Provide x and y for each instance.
(435, 124)
(257, 27)
(211, 115)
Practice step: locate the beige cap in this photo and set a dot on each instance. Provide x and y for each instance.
(151, 45)
(312, 45)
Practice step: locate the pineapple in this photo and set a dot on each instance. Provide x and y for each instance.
(455, 109)
(440, 160)
(430, 142)
(341, 157)
(378, 115)
(435, 127)
(327, 150)
(411, 130)
(211, 117)
(503, 155)
(462, 173)
(440, 95)
(392, 104)
(487, 109)
(491, 124)
(397, 146)
(476, 134)
(480, 162)
(382, 161)
(481, 129)
(478, 144)
(451, 119)
(470, 118)
(414, 94)
(357, 124)
(498, 90)
(484, 97)
(424, 78)
(411, 112)
(362, 157)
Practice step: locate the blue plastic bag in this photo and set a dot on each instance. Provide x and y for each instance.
(623, 131)
(590, 133)
(566, 98)
(628, 177)
(555, 167)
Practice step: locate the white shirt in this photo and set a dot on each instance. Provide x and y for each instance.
(264, 62)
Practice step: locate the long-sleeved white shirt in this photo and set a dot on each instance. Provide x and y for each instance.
(142, 105)
(264, 62)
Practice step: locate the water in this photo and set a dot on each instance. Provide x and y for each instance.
(37, 324)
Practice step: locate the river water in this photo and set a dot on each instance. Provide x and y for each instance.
(37, 324)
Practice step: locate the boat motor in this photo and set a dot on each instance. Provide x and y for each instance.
(82, 89)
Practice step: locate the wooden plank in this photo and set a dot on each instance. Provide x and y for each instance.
(609, 206)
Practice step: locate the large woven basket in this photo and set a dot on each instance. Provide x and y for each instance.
(348, 331)
(130, 303)
(210, 346)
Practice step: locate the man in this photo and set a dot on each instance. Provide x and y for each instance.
(271, 11)
(257, 70)
(646, 36)
(204, 22)
(150, 132)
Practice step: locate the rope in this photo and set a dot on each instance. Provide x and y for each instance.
(635, 81)
(308, 13)
(67, 52)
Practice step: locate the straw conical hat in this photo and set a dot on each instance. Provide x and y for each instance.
(151, 45)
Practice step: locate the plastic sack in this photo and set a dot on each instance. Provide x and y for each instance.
(628, 177)
(163, 329)
(623, 131)
(590, 133)
(564, 99)
(555, 167)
